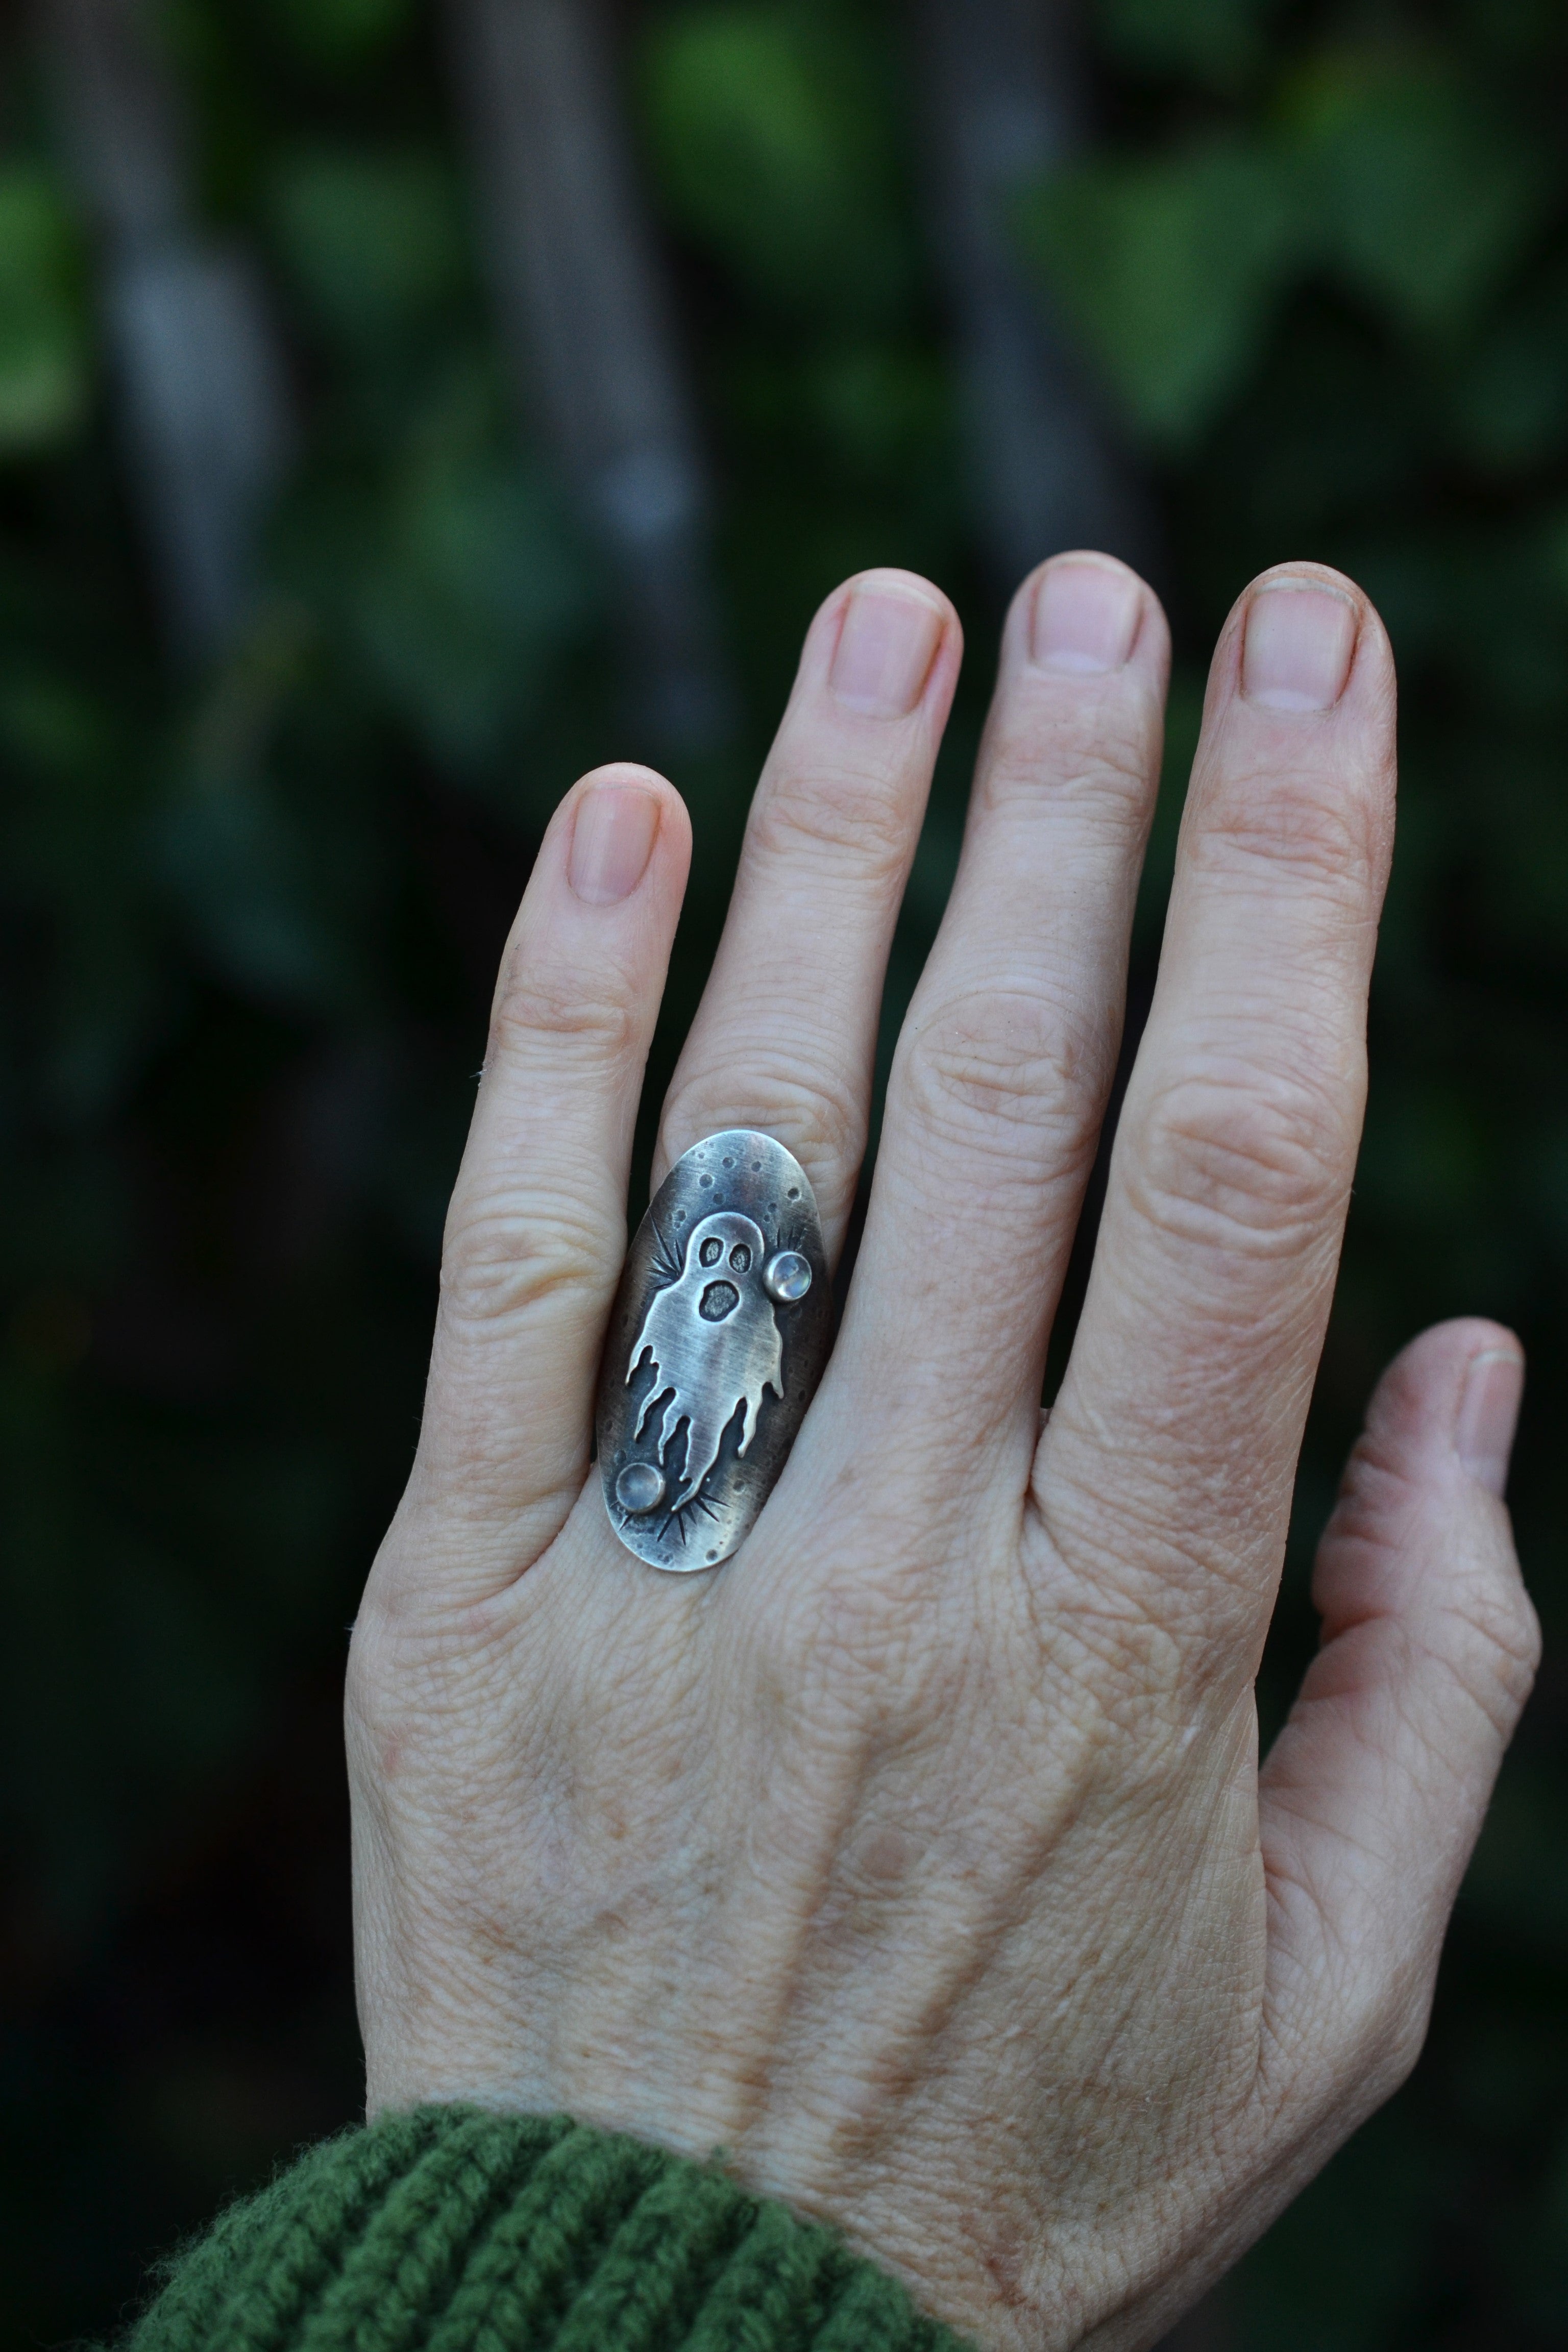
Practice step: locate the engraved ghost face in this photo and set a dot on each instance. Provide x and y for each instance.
(715, 1344)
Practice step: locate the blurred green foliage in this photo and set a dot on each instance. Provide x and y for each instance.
(1318, 266)
(774, 154)
(1380, 170)
(44, 343)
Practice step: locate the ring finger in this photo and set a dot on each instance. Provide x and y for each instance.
(1002, 1074)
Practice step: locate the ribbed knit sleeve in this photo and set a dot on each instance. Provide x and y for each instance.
(456, 2230)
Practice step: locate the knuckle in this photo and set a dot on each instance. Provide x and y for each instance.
(1137, 1669)
(541, 1008)
(1404, 2039)
(1364, 2023)
(503, 1257)
(855, 1656)
(1498, 1649)
(1003, 1066)
(820, 1118)
(1245, 1159)
(836, 814)
(1385, 2032)
(366, 1680)
(1144, 1626)
(1104, 768)
(1312, 826)
(1396, 2016)
(1522, 1642)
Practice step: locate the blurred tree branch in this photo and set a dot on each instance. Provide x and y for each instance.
(1004, 107)
(200, 377)
(585, 314)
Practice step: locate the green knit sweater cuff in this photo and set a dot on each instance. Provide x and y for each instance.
(457, 2230)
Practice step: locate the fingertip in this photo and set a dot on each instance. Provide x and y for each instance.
(1299, 638)
(1435, 1454)
(885, 643)
(629, 775)
(1086, 613)
(619, 822)
(1488, 1414)
(1302, 573)
(891, 579)
(1297, 569)
(1425, 1359)
(1454, 1392)
(1298, 747)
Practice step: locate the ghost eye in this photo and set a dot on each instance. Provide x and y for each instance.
(709, 1252)
(740, 1258)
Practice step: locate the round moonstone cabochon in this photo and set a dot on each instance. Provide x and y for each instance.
(639, 1487)
(787, 1277)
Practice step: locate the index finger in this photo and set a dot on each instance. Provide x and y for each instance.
(1169, 1457)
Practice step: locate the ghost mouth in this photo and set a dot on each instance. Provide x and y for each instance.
(720, 1298)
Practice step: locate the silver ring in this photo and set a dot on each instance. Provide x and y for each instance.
(718, 1338)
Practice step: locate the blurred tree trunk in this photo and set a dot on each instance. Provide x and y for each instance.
(586, 317)
(1003, 104)
(199, 376)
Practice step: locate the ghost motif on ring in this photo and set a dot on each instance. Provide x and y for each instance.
(719, 1336)
(715, 1345)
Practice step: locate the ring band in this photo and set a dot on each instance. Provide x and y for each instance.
(718, 1338)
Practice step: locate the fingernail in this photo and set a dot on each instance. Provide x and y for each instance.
(1488, 1416)
(887, 644)
(1086, 616)
(1298, 648)
(612, 840)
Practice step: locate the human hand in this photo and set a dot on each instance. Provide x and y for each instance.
(919, 1858)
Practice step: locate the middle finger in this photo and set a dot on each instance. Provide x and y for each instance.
(786, 1031)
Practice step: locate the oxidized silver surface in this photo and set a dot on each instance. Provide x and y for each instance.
(720, 1329)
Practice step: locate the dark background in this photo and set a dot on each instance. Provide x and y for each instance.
(261, 842)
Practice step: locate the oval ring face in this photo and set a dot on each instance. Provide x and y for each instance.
(719, 1336)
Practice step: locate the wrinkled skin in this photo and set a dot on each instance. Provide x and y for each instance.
(920, 1859)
